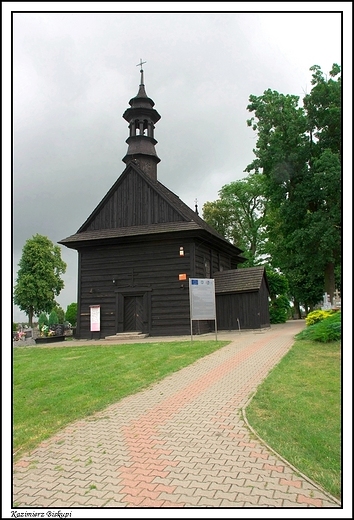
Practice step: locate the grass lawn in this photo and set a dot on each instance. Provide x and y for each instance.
(55, 386)
(297, 411)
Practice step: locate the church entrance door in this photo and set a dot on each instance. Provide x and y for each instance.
(133, 313)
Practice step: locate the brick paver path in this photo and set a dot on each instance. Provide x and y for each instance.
(180, 443)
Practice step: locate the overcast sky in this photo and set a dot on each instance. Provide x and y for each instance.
(74, 74)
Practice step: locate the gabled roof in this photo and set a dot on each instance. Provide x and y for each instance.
(185, 219)
(247, 279)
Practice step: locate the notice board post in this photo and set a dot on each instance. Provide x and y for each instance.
(95, 318)
(202, 301)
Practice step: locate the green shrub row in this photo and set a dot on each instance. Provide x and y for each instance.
(317, 316)
(279, 309)
(325, 330)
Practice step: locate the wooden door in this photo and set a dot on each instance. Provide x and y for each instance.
(133, 313)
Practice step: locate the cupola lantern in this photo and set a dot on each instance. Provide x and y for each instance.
(142, 117)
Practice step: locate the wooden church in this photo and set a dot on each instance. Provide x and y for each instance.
(141, 244)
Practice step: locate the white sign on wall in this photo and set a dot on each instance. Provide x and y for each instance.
(95, 324)
(202, 300)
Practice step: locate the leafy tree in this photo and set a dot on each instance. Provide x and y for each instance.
(239, 215)
(298, 151)
(323, 108)
(71, 314)
(279, 307)
(39, 276)
(278, 283)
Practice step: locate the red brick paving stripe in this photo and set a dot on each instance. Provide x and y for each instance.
(22, 464)
(147, 484)
(143, 492)
(133, 500)
(249, 444)
(140, 435)
(301, 499)
(259, 455)
(294, 483)
(190, 392)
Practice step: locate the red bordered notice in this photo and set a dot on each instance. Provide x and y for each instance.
(95, 318)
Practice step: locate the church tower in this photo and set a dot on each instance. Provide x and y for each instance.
(141, 142)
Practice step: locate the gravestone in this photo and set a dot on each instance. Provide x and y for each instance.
(337, 301)
(59, 330)
(326, 305)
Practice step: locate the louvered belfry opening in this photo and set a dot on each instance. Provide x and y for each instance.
(142, 117)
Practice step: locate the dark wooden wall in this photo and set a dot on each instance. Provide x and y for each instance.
(150, 269)
(207, 262)
(135, 203)
(250, 308)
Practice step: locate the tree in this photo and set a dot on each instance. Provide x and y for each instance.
(298, 151)
(279, 305)
(278, 284)
(323, 107)
(39, 276)
(239, 215)
(60, 313)
(71, 314)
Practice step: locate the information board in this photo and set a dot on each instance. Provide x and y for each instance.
(95, 324)
(202, 298)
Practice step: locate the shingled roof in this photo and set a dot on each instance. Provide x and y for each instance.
(99, 234)
(247, 279)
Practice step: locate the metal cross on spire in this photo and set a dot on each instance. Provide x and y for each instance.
(141, 71)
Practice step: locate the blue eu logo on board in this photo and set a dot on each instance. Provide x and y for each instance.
(194, 282)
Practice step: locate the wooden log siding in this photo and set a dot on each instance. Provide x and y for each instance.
(154, 266)
(217, 260)
(203, 253)
(141, 267)
(250, 308)
(135, 203)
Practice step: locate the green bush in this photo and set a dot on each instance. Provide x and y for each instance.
(279, 309)
(326, 330)
(42, 320)
(53, 318)
(71, 314)
(316, 316)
